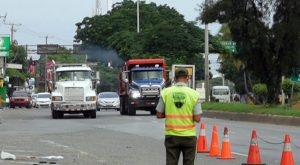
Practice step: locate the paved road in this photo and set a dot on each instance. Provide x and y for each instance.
(112, 139)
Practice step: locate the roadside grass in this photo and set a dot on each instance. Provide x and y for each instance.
(255, 109)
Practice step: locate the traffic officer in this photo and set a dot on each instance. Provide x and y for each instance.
(180, 107)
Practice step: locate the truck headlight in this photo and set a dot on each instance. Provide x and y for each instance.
(91, 98)
(135, 94)
(57, 98)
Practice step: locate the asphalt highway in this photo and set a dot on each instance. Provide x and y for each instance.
(112, 139)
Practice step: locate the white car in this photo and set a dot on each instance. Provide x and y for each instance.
(43, 100)
(108, 100)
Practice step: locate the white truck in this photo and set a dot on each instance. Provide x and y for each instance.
(74, 91)
(220, 94)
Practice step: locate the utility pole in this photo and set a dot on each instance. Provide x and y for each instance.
(138, 15)
(46, 63)
(98, 8)
(109, 5)
(12, 30)
(206, 62)
(4, 17)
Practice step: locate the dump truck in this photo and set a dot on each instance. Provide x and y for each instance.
(141, 81)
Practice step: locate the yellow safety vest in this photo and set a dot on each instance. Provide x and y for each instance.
(179, 120)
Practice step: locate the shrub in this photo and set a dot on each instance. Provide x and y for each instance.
(260, 91)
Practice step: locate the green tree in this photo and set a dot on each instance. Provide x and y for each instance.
(268, 46)
(18, 55)
(164, 33)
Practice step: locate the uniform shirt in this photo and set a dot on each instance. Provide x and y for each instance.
(161, 105)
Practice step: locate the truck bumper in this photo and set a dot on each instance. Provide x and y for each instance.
(144, 103)
(73, 106)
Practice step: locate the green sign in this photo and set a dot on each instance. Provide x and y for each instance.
(4, 43)
(4, 53)
(295, 77)
(229, 45)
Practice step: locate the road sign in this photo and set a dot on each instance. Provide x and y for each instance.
(295, 77)
(4, 53)
(229, 45)
(47, 49)
(4, 43)
(14, 66)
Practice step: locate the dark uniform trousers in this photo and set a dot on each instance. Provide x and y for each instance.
(177, 144)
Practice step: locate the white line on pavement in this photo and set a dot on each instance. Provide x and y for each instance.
(240, 154)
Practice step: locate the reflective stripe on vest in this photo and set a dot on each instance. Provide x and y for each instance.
(179, 127)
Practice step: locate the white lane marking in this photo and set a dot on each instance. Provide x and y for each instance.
(73, 149)
(240, 154)
(21, 151)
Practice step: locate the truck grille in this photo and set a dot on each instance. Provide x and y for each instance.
(150, 91)
(74, 94)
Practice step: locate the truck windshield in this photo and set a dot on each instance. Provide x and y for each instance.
(147, 75)
(220, 92)
(73, 75)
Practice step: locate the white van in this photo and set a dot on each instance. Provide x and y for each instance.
(220, 94)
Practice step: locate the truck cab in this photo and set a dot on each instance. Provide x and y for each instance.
(141, 81)
(74, 91)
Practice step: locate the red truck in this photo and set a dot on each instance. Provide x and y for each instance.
(141, 81)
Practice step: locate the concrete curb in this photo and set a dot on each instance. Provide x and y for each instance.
(271, 119)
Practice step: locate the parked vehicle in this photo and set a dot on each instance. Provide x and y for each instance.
(141, 81)
(43, 100)
(220, 94)
(20, 99)
(74, 90)
(33, 100)
(108, 100)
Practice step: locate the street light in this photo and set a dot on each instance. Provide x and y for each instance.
(206, 62)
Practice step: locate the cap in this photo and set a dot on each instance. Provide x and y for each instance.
(181, 72)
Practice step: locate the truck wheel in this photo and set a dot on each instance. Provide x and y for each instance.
(60, 115)
(153, 111)
(131, 110)
(122, 107)
(54, 114)
(93, 114)
(86, 114)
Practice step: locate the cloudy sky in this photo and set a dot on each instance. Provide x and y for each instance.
(57, 18)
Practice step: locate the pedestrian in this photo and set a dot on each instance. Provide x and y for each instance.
(181, 108)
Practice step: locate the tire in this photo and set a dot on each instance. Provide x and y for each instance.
(12, 106)
(54, 114)
(123, 111)
(131, 110)
(98, 107)
(93, 114)
(60, 115)
(86, 114)
(153, 112)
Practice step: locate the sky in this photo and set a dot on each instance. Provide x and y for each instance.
(57, 18)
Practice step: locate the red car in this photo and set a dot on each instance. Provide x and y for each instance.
(20, 99)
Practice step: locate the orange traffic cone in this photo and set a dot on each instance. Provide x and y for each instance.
(287, 154)
(202, 142)
(214, 146)
(226, 151)
(254, 154)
